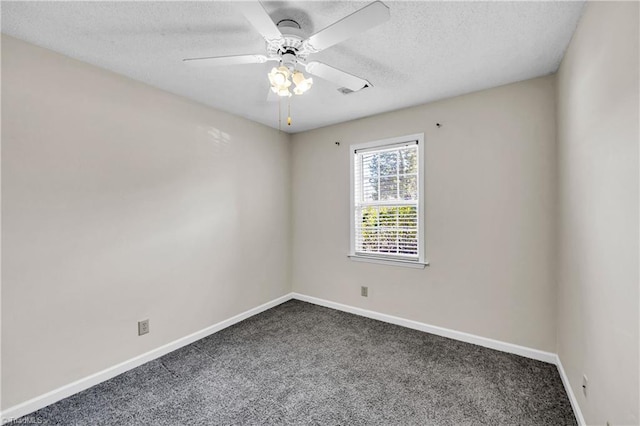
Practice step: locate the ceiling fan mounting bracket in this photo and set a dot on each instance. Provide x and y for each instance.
(288, 23)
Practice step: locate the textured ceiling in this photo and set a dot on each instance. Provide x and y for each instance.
(426, 51)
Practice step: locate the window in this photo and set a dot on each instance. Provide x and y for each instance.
(386, 201)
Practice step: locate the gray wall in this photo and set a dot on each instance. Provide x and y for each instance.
(598, 212)
(121, 202)
(490, 205)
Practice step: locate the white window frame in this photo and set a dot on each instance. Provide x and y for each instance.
(420, 262)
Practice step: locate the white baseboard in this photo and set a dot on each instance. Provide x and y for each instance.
(572, 397)
(524, 351)
(440, 331)
(55, 395)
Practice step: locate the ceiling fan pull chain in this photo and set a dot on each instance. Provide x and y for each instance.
(279, 113)
(289, 112)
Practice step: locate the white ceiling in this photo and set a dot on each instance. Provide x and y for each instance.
(426, 51)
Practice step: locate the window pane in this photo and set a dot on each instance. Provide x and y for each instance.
(387, 230)
(367, 224)
(370, 189)
(370, 165)
(407, 217)
(388, 240)
(408, 187)
(407, 242)
(388, 216)
(369, 216)
(388, 163)
(369, 241)
(408, 162)
(389, 188)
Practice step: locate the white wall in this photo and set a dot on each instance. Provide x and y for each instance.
(490, 206)
(598, 212)
(122, 202)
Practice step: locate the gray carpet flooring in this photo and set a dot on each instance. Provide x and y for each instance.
(303, 364)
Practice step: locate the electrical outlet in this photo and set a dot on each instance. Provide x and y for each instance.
(143, 327)
(364, 291)
(585, 382)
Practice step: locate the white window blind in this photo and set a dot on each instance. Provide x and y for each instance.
(386, 204)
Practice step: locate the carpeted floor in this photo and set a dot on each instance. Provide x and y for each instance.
(303, 364)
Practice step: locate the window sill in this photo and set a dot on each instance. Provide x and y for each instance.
(392, 262)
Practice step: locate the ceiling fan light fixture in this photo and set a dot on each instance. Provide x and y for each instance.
(276, 78)
(303, 85)
(279, 79)
(297, 77)
(284, 71)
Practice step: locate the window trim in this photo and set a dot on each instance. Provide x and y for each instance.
(420, 262)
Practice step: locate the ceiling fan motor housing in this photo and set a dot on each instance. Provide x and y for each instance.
(289, 59)
(290, 46)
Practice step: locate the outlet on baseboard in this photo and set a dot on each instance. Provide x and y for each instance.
(364, 291)
(143, 327)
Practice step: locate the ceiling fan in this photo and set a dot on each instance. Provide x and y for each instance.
(285, 44)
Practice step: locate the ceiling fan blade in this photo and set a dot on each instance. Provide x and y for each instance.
(360, 21)
(216, 61)
(334, 75)
(260, 19)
